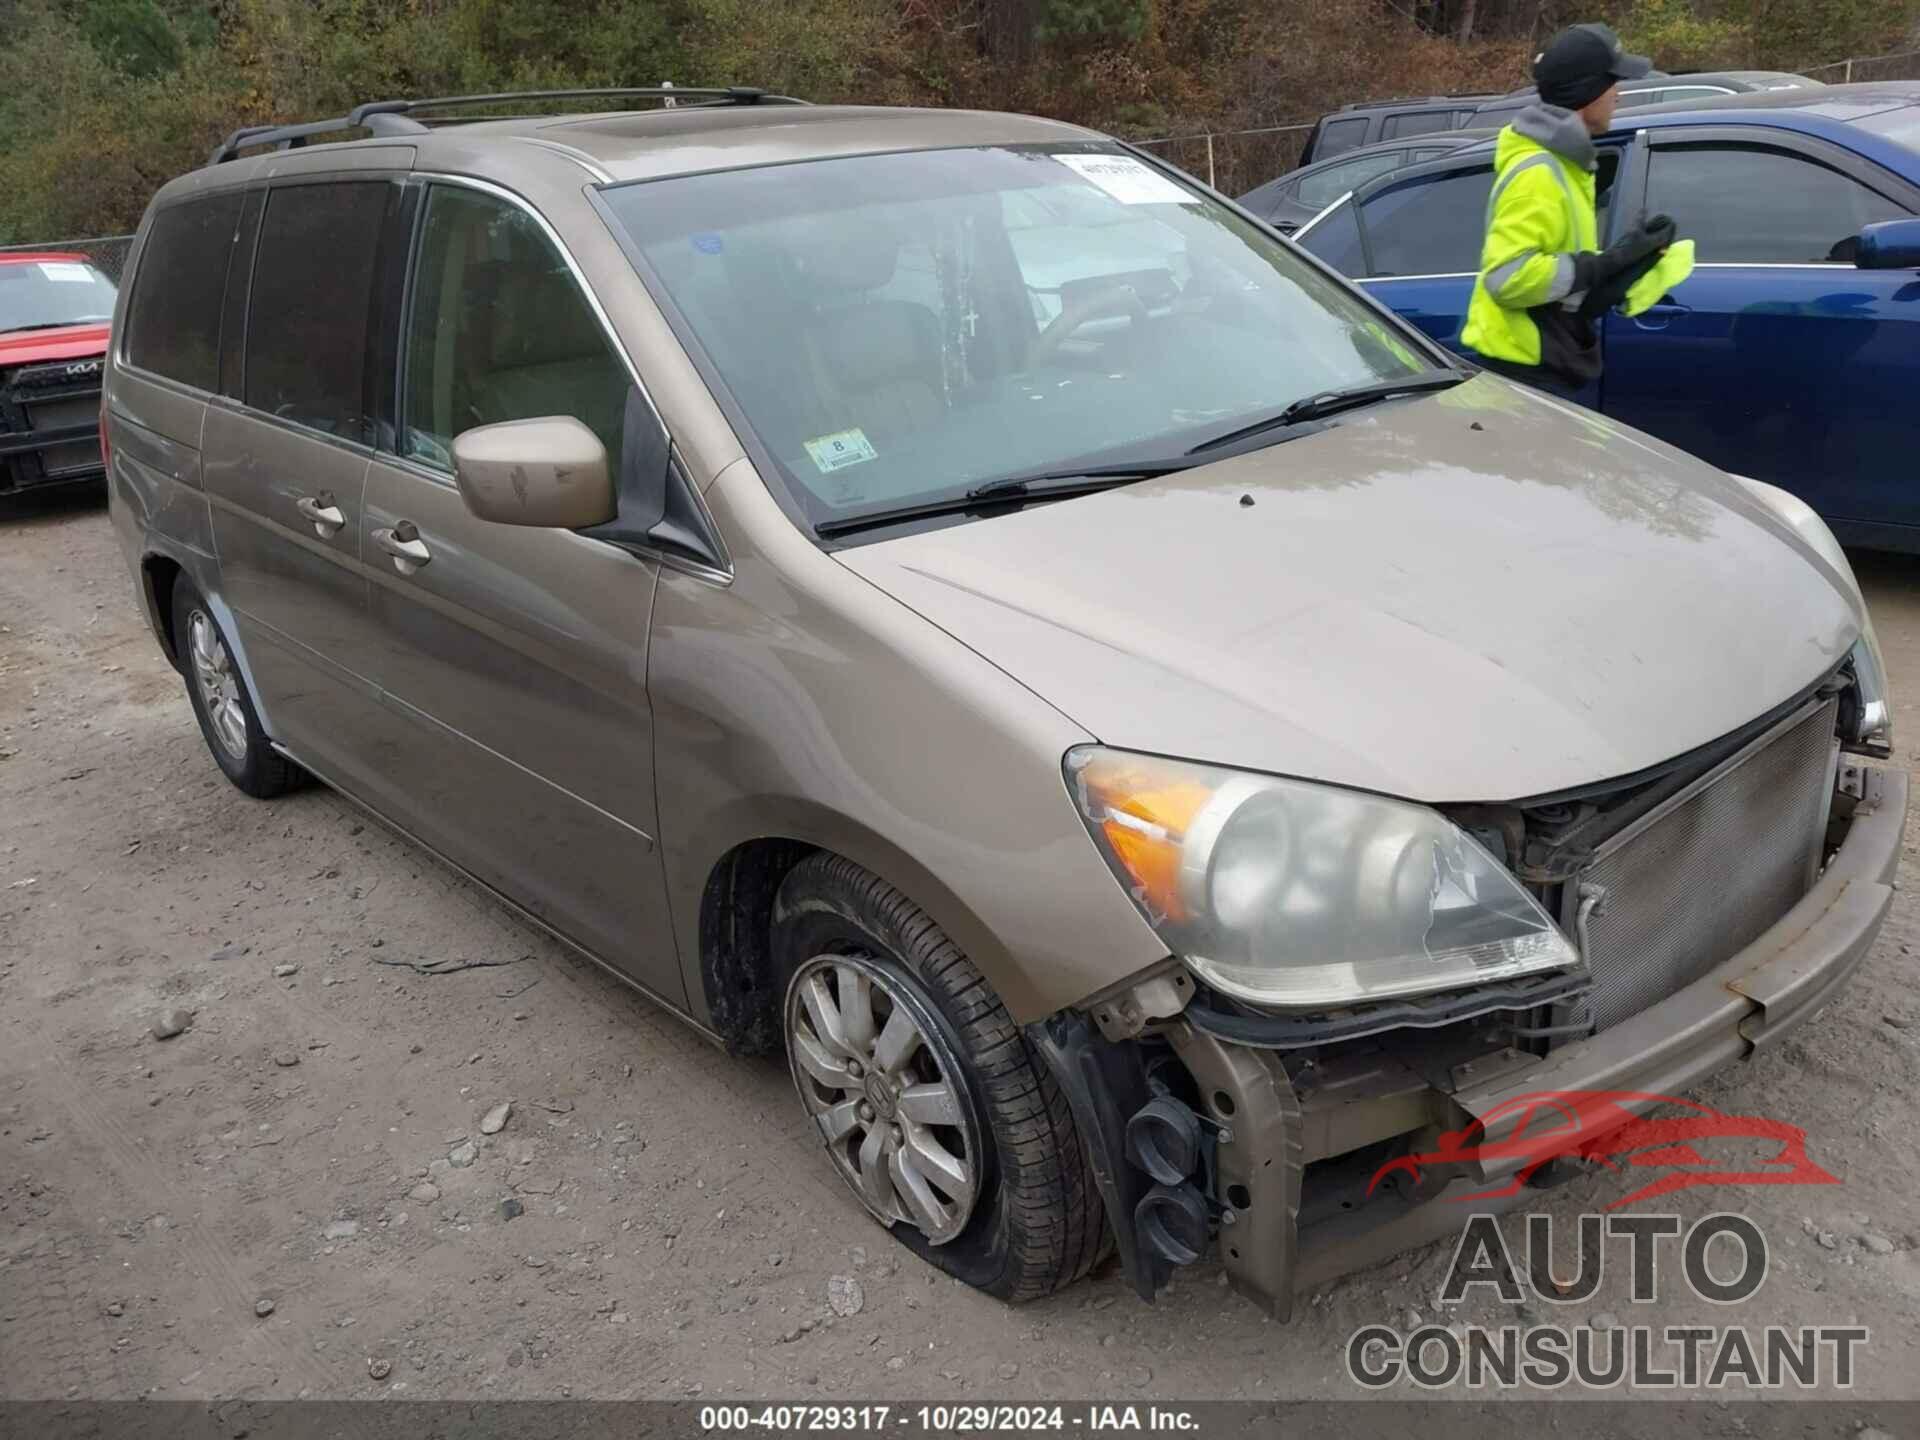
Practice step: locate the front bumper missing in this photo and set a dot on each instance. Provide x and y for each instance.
(1781, 980)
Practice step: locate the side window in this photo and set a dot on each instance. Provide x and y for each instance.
(1431, 226)
(499, 330)
(173, 319)
(1336, 240)
(312, 290)
(1748, 204)
(1339, 136)
(1323, 187)
(1417, 122)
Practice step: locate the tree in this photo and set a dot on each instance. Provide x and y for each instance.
(132, 35)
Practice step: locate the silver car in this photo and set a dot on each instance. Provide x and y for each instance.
(939, 596)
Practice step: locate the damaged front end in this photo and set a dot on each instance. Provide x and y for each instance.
(1695, 912)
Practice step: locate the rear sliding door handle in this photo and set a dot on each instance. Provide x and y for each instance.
(404, 544)
(322, 512)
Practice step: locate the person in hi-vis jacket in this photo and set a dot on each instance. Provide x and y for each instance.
(1544, 281)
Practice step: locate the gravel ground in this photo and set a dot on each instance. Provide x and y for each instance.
(297, 1196)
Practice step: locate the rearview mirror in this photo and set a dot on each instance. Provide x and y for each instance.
(1889, 245)
(550, 472)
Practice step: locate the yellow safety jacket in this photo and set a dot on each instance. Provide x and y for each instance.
(1525, 309)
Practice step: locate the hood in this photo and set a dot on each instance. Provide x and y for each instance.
(67, 342)
(1550, 128)
(1477, 595)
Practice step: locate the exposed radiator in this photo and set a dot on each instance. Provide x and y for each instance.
(1689, 884)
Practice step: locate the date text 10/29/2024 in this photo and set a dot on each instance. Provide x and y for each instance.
(946, 1419)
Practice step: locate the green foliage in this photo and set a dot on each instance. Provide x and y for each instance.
(103, 101)
(1681, 39)
(131, 35)
(1091, 19)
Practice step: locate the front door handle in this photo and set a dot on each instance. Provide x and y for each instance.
(322, 512)
(1657, 316)
(404, 544)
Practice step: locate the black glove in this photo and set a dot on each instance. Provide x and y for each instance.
(1609, 293)
(1643, 242)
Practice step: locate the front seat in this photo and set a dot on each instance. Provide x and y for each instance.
(875, 363)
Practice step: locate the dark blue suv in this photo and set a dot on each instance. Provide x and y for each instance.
(1792, 354)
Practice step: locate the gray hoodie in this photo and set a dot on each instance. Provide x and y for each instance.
(1561, 131)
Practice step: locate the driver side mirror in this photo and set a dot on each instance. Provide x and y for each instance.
(550, 472)
(1889, 245)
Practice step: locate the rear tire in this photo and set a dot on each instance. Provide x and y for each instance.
(1034, 1221)
(221, 702)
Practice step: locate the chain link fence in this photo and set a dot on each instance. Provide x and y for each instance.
(1235, 161)
(107, 253)
(1902, 66)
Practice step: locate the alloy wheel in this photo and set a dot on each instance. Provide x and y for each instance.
(886, 1092)
(218, 682)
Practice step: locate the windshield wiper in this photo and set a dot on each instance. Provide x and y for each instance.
(1010, 489)
(1074, 481)
(1323, 403)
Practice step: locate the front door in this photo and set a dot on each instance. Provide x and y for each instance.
(1777, 358)
(516, 657)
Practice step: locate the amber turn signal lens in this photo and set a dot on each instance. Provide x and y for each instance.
(1147, 813)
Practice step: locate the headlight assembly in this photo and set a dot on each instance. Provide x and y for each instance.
(1284, 893)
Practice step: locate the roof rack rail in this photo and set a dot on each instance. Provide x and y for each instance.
(395, 117)
(1420, 99)
(699, 95)
(293, 137)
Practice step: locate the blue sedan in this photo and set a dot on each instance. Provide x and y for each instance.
(1792, 354)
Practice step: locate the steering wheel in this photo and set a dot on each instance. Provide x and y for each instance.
(1114, 299)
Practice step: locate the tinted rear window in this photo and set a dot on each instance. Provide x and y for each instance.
(312, 288)
(1430, 226)
(1339, 136)
(173, 319)
(1336, 240)
(1420, 122)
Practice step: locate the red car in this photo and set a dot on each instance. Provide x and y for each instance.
(55, 307)
(1699, 1146)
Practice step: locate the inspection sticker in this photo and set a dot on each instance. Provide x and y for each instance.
(1127, 180)
(66, 272)
(839, 450)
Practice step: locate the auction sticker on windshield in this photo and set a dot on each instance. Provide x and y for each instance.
(66, 271)
(841, 449)
(1127, 180)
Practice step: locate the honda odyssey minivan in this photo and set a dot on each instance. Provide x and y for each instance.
(1149, 737)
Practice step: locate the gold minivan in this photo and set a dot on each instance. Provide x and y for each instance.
(1153, 739)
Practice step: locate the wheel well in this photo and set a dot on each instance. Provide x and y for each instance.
(160, 575)
(736, 943)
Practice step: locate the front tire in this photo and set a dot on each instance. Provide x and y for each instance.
(940, 1119)
(221, 703)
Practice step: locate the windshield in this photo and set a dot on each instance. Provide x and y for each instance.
(38, 294)
(902, 328)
